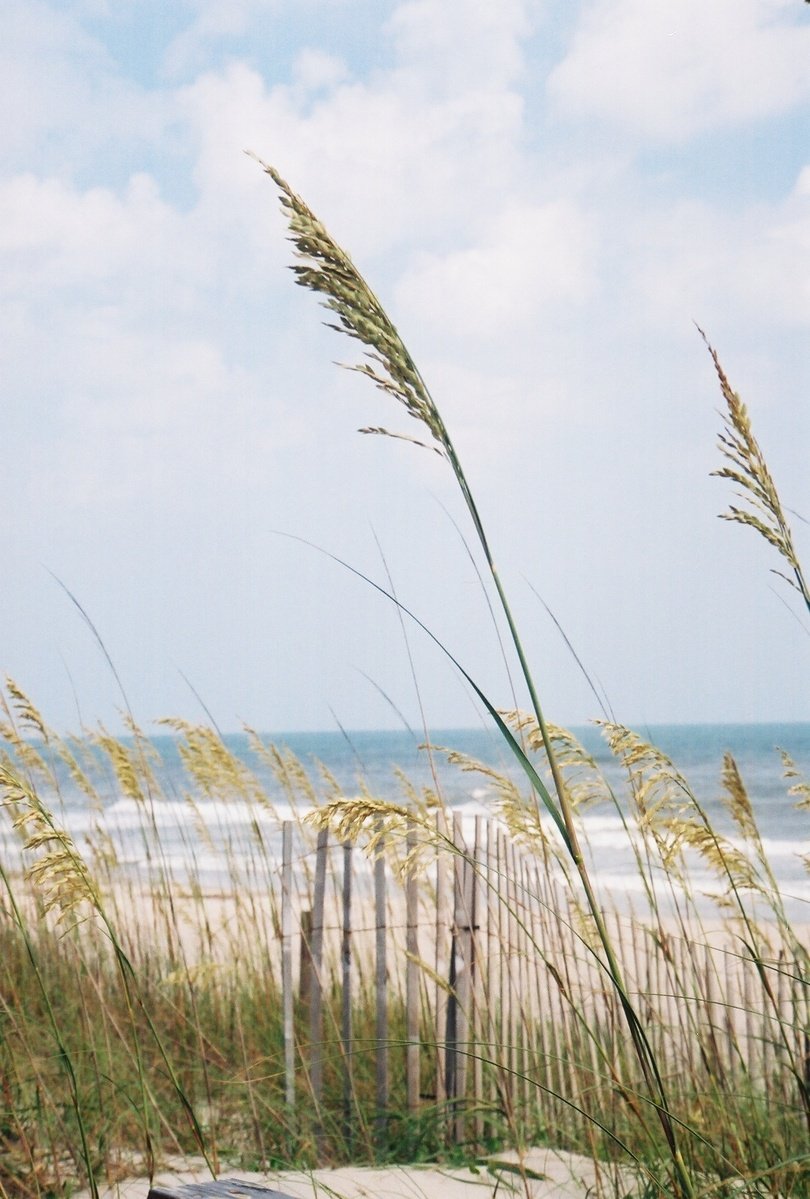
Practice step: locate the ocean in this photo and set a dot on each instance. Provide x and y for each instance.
(230, 821)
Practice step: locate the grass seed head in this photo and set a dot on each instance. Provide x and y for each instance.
(762, 508)
(58, 871)
(327, 269)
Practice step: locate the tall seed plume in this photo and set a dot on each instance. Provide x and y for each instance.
(763, 509)
(58, 869)
(327, 269)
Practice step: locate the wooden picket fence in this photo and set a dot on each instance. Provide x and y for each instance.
(487, 953)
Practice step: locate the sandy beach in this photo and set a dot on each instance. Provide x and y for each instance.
(547, 1173)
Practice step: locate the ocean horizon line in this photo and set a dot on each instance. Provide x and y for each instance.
(477, 729)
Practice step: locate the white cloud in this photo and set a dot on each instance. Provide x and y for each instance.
(380, 161)
(421, 148)
(671, 71)
(531, 255)
(313, 70)
(212, 24)
(691, 259)
(788, 241)
(40, 52)
(65, 100)
(54, 235)
(463, 44)
(119, 349)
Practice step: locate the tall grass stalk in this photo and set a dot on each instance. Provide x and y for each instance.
(63, 880)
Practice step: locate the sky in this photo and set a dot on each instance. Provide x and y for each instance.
(547, 195)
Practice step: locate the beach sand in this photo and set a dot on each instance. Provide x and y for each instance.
(549, 1173)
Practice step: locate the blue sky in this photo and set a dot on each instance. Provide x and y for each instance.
(546, 194)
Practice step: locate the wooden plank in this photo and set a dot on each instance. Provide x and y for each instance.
(712, 1046)
(451, 1026)
(784, 1014)
(492, 948)
(346, 997)
(732, 1001)
(458, 1008)
(477, 982)
(504, 980)
(305, 964)
(751, 1046)
(316, 997)
(412, 977)
(464, 968)
(557, 953)
(522, 1038)
(221, 1188)
(287, 997)
(440, 962)
(381, 982)
(529, 1013)
(546, 1103)
(513, 968)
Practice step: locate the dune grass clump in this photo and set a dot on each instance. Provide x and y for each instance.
(141, 1014)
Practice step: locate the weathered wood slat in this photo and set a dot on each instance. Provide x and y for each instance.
(221, 1188)
(412, 977)
(316, 998)
(346, 995)
(381, 981)
(287, 998)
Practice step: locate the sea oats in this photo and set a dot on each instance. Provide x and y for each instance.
(664, 803)
(584, 781)
(200, 823)
(21, 712)
(748, 469)
(376, 824)
(659, 789)
(737, 801)
(516, 810)
(729, 864)
(799, 785)
(327, 269)
(124, 764)
(27, 714)
(211, 766)
(58, 870)
(79, 775)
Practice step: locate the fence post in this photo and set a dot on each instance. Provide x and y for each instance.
(441, 961)
(286, 964)
(316, 997)
(305, 964)
(412, 975)
(346, 996)
(381, 1021)
(478, 1005)
(461, 974)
